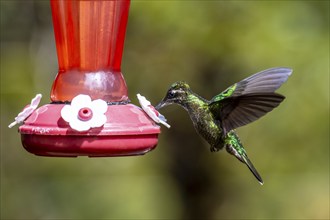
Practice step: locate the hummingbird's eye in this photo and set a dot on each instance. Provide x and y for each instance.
(171, 94)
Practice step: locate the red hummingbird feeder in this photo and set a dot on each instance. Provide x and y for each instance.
(89, 39)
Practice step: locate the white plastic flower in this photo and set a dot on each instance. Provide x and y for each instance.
(27, 111)
(83, 113)
(151, 111)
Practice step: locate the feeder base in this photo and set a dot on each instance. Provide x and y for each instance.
(127, 132)
(92, 146)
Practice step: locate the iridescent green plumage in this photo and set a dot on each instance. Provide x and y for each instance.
(240, 104)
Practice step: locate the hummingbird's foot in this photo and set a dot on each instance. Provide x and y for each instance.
(214, 149)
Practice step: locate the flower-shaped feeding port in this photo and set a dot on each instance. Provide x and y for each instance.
(83, 113)
(27, 111)
(151, 111)
(90, 113)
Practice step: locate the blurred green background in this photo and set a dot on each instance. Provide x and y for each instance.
(211, 45)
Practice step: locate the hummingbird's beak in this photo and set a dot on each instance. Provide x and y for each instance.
(161, 105)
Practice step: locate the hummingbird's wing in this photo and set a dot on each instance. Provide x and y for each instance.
(234, 112)
(249, 99)
(266, 81)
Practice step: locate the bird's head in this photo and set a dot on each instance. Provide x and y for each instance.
(176, 94)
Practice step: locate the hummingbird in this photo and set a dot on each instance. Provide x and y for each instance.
(242, 103)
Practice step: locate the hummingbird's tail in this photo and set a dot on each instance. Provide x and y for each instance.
(234, 147)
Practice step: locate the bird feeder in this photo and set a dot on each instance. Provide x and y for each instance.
(89, 39)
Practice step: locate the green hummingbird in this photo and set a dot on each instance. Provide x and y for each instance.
(240, 104)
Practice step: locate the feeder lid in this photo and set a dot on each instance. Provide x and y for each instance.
(121, 120)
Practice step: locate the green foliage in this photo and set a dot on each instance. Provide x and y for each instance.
(211, 45)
